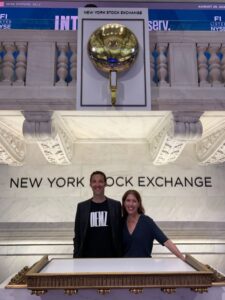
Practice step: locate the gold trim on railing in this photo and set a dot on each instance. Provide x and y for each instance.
(70, 292)
(200, 290)
(136, 291)
(168, 290)
(38, 292)
(103, 291)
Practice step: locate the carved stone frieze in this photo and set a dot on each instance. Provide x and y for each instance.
(58, 150)
(165, 149)
(211, 149)
(172, 136)
(51, 136)
(12, 147)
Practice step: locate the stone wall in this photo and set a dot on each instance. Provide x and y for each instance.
(39, 220)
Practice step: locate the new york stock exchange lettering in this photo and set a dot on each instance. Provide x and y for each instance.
(119, 181)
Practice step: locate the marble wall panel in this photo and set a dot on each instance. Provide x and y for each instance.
(38, 192)
(38, 220)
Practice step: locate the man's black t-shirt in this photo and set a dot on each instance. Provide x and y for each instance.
(98, 241)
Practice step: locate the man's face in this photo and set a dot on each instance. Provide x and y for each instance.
(98, 184)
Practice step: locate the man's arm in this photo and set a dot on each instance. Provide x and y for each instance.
(76, 240)
(173, 248)
(119, 230)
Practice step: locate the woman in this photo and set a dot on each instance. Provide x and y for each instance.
(139, 230)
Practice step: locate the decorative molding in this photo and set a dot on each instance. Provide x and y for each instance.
(172, 136)
(187, 126)
(51, 136)
(163, 148)
(38, 126)
(59, 150)
(211, 149)
(12, 147)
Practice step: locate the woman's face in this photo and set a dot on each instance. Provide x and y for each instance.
(131, 204)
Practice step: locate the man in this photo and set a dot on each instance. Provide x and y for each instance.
(98, 223)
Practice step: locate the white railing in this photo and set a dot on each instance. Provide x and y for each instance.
(185, 66)
(203, 51)
(13, 63)
(66, 64)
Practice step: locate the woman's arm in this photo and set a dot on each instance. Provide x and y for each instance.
(173, 248)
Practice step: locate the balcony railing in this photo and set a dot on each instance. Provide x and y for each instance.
(186, 67)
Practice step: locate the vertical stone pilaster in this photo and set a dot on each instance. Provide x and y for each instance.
(183, 64)
(41, 64)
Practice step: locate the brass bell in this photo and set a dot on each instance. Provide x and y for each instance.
(113, 48)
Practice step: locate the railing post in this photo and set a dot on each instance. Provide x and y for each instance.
(21, 63)
(62, 64)
(41, 64)
(8, 64)
(203, 71)
(214, 65)
(183, 64)
(162, 64)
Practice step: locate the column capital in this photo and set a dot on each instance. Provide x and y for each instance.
(173, 134)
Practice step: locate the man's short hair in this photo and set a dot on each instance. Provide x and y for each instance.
(98, 173)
